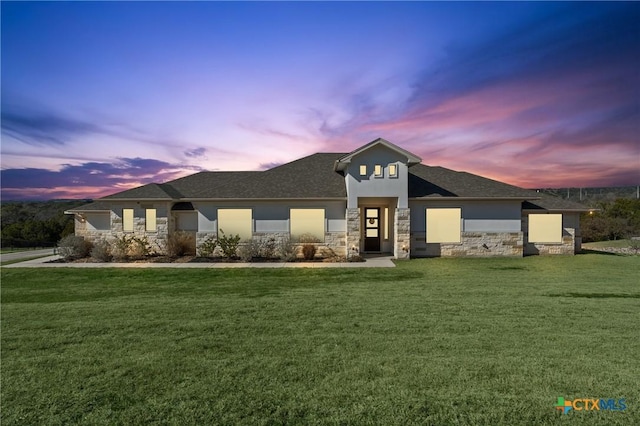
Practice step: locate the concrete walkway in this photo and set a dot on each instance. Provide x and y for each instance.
(374, 262)
(6, 257)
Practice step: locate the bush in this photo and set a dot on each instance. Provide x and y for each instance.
(181, 243)
(286, 250)
(268, 249)
(249, 251)
(139, 247)
(120, 248)
(308, 251)
(74, 247)
(208, 247)
(101, 251)
(229, 244)
(308, 238)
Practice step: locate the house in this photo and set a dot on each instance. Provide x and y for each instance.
(376, 199)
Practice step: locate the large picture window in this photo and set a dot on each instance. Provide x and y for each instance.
(150, 220)
(307, 222)
(127, 220)
(545, 228)
(235, 221)
(443, 225)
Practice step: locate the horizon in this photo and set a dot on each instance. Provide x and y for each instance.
(102, 97)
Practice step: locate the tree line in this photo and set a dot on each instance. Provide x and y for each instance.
(36, 223)
(613, 220)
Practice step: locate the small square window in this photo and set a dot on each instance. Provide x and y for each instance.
(377, 170)
(393, 170)
(363, 170)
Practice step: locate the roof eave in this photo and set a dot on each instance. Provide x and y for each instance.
(474, 198)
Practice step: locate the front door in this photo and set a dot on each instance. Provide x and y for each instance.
(371, 229)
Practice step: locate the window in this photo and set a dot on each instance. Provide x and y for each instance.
(377, 170)
(545, 228)
(386, 223)
(127, 220)
(235, 221)
(307, 222)
(150, 222)
(393, 170)
(443, 225)
(363, 170)
(98, 221)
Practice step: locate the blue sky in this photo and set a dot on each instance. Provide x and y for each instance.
(99, 97)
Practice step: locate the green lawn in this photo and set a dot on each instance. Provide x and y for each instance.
(436, 341)
(602, 244)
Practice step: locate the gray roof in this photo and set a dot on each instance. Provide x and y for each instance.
(550, 202)
(314, 177)
(431, 181)
(96, 206)
(309, 177)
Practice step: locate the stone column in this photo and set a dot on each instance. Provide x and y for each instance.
(353, 232)
(402, 232)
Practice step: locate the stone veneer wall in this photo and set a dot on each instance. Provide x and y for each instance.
(402, 233)
(353, 232)
(472, 244)
(571, 243)
(157, 239)
(334, 242)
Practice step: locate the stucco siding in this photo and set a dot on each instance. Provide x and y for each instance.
(371, 186)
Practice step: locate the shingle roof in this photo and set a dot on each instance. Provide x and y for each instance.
(431, 181)
(550, 202)
(150, 191)
(94, 207)
(314, 177)
(309, 177)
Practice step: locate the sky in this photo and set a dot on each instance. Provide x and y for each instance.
(99, 97)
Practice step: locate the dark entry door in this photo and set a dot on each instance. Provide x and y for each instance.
(371, 229)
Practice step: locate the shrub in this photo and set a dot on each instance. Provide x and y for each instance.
(120, 248)
(101, 251)
(139, 247)
(229, 244)
(181, 243)
(308, 238)
(208, 246)
(308, 251)
(74, 247)
(249, 251)
(268, 248)
(286, 250)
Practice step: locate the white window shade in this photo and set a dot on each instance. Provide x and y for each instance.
(150, 220)
(545, 228)
(443, 225)
(235, 221)
(307, 222)
(127, 220)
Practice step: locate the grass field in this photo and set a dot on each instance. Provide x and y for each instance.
(436, 341)
(601, 244)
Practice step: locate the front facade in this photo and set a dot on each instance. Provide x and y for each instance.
(376, 199)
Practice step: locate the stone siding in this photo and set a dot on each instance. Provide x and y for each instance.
(473, 244)
(402, 233)
(157, 239)
(570, 243)
(334, 242)
(353, 232)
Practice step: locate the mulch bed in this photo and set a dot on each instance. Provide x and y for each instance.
(196, 259)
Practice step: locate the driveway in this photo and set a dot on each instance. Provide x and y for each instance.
(25, 254)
